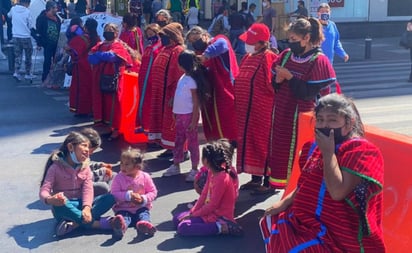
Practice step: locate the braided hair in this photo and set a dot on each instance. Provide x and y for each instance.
(218, 155)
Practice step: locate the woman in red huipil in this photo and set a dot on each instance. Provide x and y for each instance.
(165, 74)
(145, 83)
(218, 113)
(254, 98)
(131, 33)
(105, 57)
(301, 75)
(338, 202)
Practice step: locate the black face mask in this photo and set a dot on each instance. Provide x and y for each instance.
(161, 23)
(165, 40)
(152, 40)
(337, 132)
(296, 48)
(199, 45)
(109, 36)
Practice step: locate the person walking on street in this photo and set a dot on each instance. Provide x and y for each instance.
(406, 42)
(22, 24)
(48, 27)
(268, 16)
(5, 8)
(331, 45)
(301, 11)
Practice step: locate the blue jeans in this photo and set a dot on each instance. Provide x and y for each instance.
(131, 219)
(72, 210)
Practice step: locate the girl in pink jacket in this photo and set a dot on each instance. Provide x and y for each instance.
(134, 192)
(67, 186)
(213, 212)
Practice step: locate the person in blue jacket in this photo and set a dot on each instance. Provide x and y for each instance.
(331, 45)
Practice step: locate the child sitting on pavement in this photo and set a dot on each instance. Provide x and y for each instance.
(213, 213)
(102, 172)
(134, 192)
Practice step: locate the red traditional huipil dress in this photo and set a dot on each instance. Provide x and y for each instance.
(218, 113)
(165, 74)
(254, 97)
(106, 107)
(315, 223)
(313, 69)
(80, 100)
(145, 85)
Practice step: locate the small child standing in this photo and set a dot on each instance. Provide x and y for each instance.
(67, 187)
(21, 25)
(134, 192)
(213, 213)
(186, 102)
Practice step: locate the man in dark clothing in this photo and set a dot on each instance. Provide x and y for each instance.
(48, 28)
(301, 11)
(237, 24)
(5, 6)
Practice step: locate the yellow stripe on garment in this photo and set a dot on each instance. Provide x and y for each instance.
(219, 127)
(278, 182)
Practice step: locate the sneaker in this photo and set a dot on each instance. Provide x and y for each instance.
(191, 176)
(173, 170)
(29, 77)
(118, 226)
(145, 228)
(17, 77)
(186, 157)
(64, 227)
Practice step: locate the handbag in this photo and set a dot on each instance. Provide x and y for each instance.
(109, 83)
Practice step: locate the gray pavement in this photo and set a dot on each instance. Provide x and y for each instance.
(35, 121)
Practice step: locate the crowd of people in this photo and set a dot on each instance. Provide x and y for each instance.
(251, 107)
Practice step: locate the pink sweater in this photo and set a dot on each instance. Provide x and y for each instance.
(217, 199)
(142, 184)
(74, 183)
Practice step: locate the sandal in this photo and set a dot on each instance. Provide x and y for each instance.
(64, 227)
(232, 227)
(250, 185)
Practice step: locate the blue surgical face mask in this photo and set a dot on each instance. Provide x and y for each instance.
(325, 16)
(74, 157)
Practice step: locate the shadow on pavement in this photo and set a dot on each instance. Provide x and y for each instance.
(33, 235)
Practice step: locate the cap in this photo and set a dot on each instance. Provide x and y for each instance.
(257, 32)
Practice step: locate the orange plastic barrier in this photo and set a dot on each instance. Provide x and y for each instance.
(129, 106)
(397, 153)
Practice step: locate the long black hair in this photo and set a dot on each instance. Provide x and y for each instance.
(74, 138)
(193, 68)
(91, 26)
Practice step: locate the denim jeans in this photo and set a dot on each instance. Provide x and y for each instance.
(72, 210)
(131, 219)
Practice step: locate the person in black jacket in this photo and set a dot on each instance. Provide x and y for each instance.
(48, 28)
(5, 6)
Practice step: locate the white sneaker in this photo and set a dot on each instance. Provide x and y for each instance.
(191, 176)
(172, 171)
(17, 77)
(29, 77)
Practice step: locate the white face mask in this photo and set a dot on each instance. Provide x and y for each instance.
(250, 48)
(264, 4)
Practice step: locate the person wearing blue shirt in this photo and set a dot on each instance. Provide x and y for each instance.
(331, 45)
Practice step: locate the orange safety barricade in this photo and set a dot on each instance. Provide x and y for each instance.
(129, 104)
(306, 133)
(397, 190)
